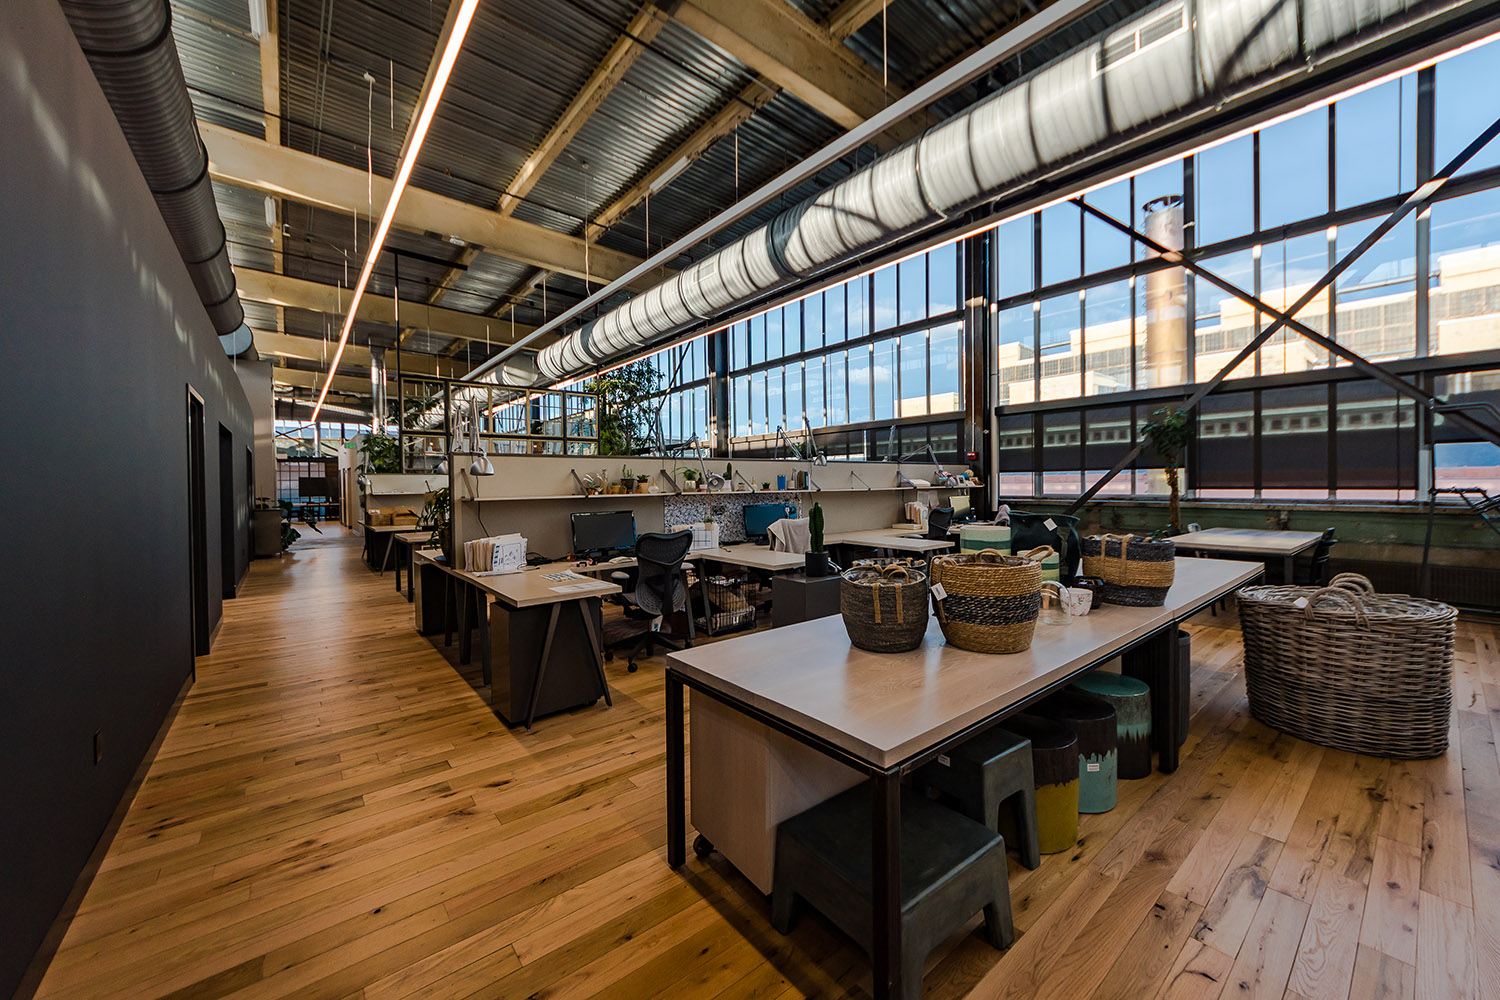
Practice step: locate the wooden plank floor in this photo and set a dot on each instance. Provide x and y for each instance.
(335, 813)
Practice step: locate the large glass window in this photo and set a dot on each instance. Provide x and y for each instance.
(859, 385)
(1058, 346)
(1015, 355)
(1375, 433)
(1294, 443)
(1014, 260)
(1376, 311)
(1225, 442)
(1464, 289)
(912, 276)
(1467, 103)
(1375, 152)
(945, 348)
(885, 298)
(1225, 323)
(1106, 337)
(1294, 169)
(914, 374)
(1061, 248)
(1104, 246)
(1287, 270)
(1224, 180)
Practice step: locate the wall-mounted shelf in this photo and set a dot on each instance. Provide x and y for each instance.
(700, 493)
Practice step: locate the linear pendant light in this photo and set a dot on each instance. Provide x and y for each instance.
(420, 125)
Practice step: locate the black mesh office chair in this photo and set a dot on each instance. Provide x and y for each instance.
(938, 521)
(1314, 572)
(660, 589)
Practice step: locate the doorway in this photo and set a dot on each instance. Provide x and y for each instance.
(226, 512)
(197, 523)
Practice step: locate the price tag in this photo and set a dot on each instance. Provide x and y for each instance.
(1050, 524)
(1093, 766)
(1300, 602)
(943, 760)
(938, 593)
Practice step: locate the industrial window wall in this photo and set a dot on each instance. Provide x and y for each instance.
(1090, 332)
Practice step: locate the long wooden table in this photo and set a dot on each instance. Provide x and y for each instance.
(887, 714)
(1253, 542)
(889, 540)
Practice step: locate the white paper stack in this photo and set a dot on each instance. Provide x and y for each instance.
(497, 554)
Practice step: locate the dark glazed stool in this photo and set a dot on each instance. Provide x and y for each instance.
(951, 866)
(1093, 720)
(1131, 699)
(1054, 763)
(985, 773)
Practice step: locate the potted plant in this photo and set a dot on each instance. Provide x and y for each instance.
(816, 560)
(640, 483)
(627, 479)
(437, 512)
(766, 486)
(690, 476)
(1169, 432)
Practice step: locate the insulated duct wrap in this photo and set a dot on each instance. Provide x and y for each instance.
(1159, 67)
(129, 44)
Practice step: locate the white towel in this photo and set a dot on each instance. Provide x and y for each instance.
(790, 534)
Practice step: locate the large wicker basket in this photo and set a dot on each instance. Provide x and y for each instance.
(884, 607)
(1137, 571)
(991, 600)
(1347, 668)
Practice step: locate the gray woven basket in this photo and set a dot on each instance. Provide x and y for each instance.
(1347, 668)
(884, 607)
(1137, 571)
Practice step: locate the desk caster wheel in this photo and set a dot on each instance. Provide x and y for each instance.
(702, 847)
(609, 656)
(631, 667)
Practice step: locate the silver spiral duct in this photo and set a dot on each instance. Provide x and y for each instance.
(1165, 63)
(129, 44)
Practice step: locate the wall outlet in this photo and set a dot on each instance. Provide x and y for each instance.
(98, 747)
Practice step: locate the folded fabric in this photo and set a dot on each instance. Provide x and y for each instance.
(790, 534)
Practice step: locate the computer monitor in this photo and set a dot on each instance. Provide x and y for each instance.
(603, 532)
(960, 505)
(312, 486)
(760, 516)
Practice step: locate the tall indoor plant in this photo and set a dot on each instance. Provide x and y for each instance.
(1169, 431)
(625, 412)
(816, 560)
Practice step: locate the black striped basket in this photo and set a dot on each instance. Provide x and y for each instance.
(1137, 571)
(991, 600)
(884, 607)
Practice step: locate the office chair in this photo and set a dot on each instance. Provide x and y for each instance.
(660, 589)
(1315, 571)
(938, 521)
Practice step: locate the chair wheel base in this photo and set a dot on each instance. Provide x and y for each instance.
(631, 667)
(702, 846)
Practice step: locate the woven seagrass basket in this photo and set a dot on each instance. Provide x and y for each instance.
(1137, 571)
(884, 607)
(1345, 667)
(1050, 559)
(991, 600)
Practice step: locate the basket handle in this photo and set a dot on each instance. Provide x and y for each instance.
(990, 555)
(1354, 582)
(1354, 601)
(895, 568)
(1038, 554)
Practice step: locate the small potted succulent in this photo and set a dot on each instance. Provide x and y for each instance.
(641, 484)
(690, 476)
(816, 561)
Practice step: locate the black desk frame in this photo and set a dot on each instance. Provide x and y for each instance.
(1156, 655)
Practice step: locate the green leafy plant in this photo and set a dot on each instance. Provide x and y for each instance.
(438, 512)
(1169, 432)
(815, 528)
(380, 453)
(691, 475)
(625, 408)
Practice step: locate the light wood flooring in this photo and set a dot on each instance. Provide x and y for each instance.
(336, 814)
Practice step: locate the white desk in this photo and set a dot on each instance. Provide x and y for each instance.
(884, 715)
(889, 539)
(1252, 542)
(751, 557)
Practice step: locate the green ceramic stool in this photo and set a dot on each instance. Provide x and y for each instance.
(1093, 721)
(951, 868)
(989, 775)
(1131, 699)
(1054, 764)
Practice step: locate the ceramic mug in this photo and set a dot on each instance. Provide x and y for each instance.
(1078, 601)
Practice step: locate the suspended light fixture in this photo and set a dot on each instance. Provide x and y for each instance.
(414, 141)
(481, 465)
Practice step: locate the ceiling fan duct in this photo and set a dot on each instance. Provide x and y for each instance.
(129, 44)
(1158, 69)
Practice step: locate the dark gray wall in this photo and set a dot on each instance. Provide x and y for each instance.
(100, 336)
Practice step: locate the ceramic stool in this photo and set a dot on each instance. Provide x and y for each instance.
(1093, 721)
(988, 775)
(1131, 699)
(1054, 765)
(951, 867)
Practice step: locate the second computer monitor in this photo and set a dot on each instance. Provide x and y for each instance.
(603, 532)
(760, 516)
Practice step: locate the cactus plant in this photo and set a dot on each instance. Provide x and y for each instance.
(815, 528)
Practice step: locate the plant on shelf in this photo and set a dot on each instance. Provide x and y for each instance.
(626, 414)
(379, 453)
(816, 560)
(1168, 432)
(437, 512)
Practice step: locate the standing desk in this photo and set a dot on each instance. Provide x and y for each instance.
(524, 625)
(884, 715)
(385, 533)
(409, 542)
(1251, 542)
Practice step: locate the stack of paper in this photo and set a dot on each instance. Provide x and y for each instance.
(497, 554)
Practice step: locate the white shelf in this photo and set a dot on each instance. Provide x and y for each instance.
(703, 493)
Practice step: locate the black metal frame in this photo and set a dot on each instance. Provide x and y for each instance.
(1159, 647)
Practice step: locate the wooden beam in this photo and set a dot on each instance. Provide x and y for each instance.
(793, 51)
(851, 15)
(644, 27)
(314, 380)
(282, 290)
(312, 349)
(302, 177)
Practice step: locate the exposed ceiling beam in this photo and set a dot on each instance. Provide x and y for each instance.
(314, 380)
(851, 15)
(797, 54)
(255, 163)
(299, 293)
(312, 349)
(270, 93)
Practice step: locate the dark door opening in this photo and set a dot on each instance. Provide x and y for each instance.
(226, 511)
(197, 524)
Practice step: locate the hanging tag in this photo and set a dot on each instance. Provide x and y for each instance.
(938, 593)
(1093, 766)
(943, 760)
(1050, 524)
(1300, 602)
